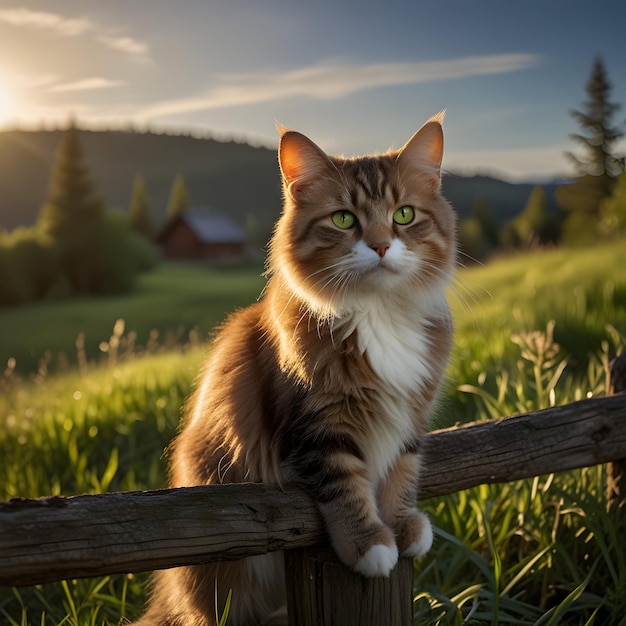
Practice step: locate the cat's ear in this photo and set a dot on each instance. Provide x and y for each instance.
(301, 161)
(424, 150)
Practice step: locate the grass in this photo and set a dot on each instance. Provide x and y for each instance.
(547, 550)
(171, 303)
(540, 551)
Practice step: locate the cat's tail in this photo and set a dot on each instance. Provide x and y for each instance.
(247, 591)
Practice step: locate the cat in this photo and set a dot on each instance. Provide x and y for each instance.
(328, 381)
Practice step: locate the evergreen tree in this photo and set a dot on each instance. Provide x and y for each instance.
(482, 212)
(530, 222)
(509, 238)
(599, 135)
(598, 165)
(71, 200)
(478, 234)
(535, 225)
(140, 212)
(473, 246)
(179, 198)
(72, 215)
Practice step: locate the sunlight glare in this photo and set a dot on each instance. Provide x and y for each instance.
(6, 103)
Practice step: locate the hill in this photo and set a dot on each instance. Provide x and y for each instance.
(227, 175)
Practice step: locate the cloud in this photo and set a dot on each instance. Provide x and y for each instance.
(39, 81)
(515, 164)
(71, 27)
(42, 20)
(126, 44)
(335, 80)
(86, 84)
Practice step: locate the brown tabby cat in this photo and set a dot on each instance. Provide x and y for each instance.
(329, 380)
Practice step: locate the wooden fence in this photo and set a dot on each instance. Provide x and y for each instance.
(49, 539)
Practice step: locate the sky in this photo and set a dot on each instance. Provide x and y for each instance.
(356, 77)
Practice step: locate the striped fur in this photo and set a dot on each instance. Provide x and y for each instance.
(328, 381)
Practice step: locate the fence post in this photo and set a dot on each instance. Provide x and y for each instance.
(616, 470)
(322, 591)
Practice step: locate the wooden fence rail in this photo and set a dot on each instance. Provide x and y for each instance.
(48, 539)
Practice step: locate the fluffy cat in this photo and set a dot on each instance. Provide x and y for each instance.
(328, 381)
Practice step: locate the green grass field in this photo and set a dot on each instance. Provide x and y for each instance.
(542, 551)
(173, 301)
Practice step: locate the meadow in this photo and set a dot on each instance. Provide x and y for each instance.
(532, 330)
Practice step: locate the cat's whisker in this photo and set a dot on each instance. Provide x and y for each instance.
(333, 280)
(305, 310)
(341, 281)
(456, 292)
(470, 258)
(471, 295)
(223, 465)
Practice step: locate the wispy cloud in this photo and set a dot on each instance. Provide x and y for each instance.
(72, 27)
(86, 84)
(42, 20)
(335, 80)
(126, 44)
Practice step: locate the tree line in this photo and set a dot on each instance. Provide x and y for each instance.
(78, 246)
(591, 206)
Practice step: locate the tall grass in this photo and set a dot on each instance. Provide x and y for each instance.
(540, 551)
(545, 550)
(104, 430)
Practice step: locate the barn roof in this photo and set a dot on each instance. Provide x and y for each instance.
(211, 226)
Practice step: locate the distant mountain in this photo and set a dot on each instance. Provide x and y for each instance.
(234, 177)
(505, 199)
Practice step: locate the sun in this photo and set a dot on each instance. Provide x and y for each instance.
(7, 107)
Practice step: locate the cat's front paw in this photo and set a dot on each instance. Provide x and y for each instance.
(422, 544)
(379, 560)
(414, 534)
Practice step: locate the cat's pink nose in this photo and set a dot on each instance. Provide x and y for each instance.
(380, 248)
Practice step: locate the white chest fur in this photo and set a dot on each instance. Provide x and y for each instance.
(394, 336)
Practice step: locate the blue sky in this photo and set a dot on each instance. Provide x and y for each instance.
(355, 76)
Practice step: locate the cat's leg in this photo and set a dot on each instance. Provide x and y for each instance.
(332, 471)
(397, 497)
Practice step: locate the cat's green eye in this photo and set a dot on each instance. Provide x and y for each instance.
(404, 215)
(343, 219)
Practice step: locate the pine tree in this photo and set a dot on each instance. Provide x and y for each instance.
(598, 165)
(140, 212)
(482, 212)
(71, 199)
(535, 225)
(599, 135)
(179, 198)
(72, 214)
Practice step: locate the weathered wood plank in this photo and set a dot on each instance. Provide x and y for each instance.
(580, 434)
(322, 590)
(50, 539)
(55, 538)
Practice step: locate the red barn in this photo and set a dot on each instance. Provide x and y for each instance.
(202, 234)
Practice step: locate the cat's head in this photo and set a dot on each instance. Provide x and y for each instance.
(365, 224)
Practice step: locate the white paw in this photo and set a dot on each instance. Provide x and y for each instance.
(423, 544)
(379, 560)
